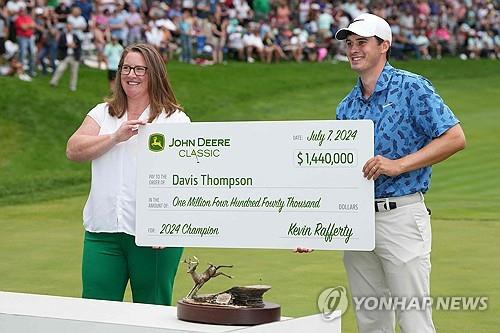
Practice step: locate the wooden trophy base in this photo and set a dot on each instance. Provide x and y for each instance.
(225, 315)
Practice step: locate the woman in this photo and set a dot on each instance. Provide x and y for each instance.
(102, 35)
(219, 27)
(106, 137)
(186, 31)
(271, 48)
(48, 41)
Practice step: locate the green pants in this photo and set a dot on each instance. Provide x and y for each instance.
(111, 259)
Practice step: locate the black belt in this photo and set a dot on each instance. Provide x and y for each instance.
(386, 204)
(392, 205)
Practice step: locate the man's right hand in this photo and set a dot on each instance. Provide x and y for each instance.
(302, 250)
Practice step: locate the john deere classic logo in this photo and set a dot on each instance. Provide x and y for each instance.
(156, 142)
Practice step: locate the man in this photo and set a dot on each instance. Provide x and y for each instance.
(85, 8)
(14, 6)
(134, 23)
(70, 50)
(117, 25)
(253, 42)
(113, 52)
(414, 129)
(25, 33)
(78, 22)
(62, 11)
(325, 22)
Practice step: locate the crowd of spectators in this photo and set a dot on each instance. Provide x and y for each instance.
(212, 31)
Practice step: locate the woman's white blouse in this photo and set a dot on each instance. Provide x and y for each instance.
(110, 206)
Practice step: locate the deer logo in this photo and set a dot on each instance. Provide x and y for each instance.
(156, 142)
(199, 279)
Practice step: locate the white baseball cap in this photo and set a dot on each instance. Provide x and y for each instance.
(367, 25)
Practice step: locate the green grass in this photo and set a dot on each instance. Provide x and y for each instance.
(41, 244)
(42, 194)
(37, 120)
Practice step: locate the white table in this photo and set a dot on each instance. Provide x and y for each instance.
(43, 314)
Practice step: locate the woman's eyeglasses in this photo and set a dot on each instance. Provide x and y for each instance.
(138, 70)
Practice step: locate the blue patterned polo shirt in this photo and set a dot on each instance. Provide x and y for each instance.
(407, 114)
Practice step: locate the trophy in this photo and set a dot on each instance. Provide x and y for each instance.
(240, 305)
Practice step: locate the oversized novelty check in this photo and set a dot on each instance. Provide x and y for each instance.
(276, 184)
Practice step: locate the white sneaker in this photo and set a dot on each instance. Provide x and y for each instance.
(340, 57)
(24, 77)
(250, 60)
